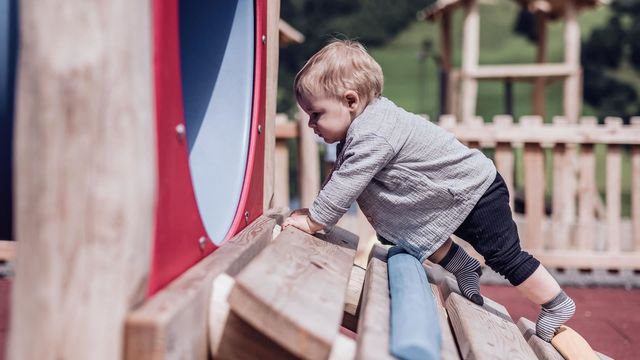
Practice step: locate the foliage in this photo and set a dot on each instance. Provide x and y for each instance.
(372, 22)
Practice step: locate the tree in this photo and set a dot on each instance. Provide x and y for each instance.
(372, 22)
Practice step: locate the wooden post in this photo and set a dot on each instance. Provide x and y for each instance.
(273, 17)
(563, 193)
(533, 187)
(614, 178)
(635, 187)
(308, 162)
(85, 176)
(572, 93)
(587, 193)
(541, 57)
(504, 155)
(445, 54)
(281, 164)
(470, 60)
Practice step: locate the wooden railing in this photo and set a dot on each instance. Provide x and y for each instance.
(581, 231)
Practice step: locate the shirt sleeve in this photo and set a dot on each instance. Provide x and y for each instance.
(364, 157)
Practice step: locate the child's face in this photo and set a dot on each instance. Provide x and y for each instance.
(330, 117)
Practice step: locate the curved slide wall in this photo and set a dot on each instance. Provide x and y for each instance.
(209, 64)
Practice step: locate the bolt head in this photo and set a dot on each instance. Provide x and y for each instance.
(202, 242)
(259, 129)
(264, 39)
(181, 131)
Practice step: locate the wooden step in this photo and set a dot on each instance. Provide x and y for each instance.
(373, 324)
(354, 295)
(173, 323)
(449, 349)
(542, 349)
(294, 292)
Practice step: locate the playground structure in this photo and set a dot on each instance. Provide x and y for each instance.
(143, 192)
(464, 81)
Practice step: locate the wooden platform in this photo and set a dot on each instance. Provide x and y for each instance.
(302, 296)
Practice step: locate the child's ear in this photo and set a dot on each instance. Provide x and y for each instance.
(352, 99)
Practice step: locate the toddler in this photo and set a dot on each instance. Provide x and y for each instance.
(415, 183)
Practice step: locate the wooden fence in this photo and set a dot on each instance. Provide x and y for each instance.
(583, 230)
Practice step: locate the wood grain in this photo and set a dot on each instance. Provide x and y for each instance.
(172, 325)
(85, 176)
(354, 294)
(375, 314)
(294, 292)
(542, 349)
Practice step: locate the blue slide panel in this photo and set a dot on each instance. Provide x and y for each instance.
(217, 40)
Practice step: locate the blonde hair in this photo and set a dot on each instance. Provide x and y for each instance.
(340, 66)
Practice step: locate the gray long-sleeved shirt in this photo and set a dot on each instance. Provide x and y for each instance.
(413, 180)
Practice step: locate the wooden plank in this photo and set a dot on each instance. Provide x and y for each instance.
(548, 134)
(587, 193)
(614, 189)
(571, 345)
(170, 325)
(449, 286)
(563, 194)
(7, 250)
(449, 349)
(482, 335)
(308, 162)
(533, 187)
(635, 187)
(344, 348)
(572, 92)
(505, 160)
(285, 129)
(542, 349)
(354, 294)
(539, 84)
(281, 190)
(520, 71)
(373, 325)
(470, 60)
(294, 292)
(271, 92)
(85, 176)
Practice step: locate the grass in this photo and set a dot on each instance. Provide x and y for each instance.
(414, 85)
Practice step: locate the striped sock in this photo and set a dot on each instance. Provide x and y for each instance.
(466, 270)
(553, 314)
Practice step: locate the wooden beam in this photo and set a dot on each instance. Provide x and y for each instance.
(504, 158)
(564, 201)
(635, 187)
(587, 193)
(271, 92)
(85, 176)
(288, 34)
(533, 187)
(373, 325)
(614, 190)
(539, 85)
(572, 94)
(520, 71)
(542, 349)
(470, 60)
(171, 324)
(294, 292)
(589, 259)
(354, 294)
(482, 335)
(449, 348)
(308, 162)
(572, 346)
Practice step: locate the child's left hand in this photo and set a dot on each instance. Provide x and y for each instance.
(300, 220)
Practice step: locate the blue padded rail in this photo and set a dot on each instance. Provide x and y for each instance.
(415, 326)
(217, 61)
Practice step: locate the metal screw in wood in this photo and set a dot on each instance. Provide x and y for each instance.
(181, 131)
(202, 241)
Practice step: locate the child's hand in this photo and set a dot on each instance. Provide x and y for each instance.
(300, 220)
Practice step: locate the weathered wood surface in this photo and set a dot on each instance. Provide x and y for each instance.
(521, 71)
(635, 187)
(273, 50)
(483, 335)
(308, 162)
(449, 349)
(470, 60)
(172, 324)
(354, 294)
(572, 346)
(85, 176)
(375, 313)
(542, 349)
(533, 187)
(294, 292)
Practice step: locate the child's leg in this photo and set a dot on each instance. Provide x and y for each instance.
(490, 229)
(465, 268)
(557, 307)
